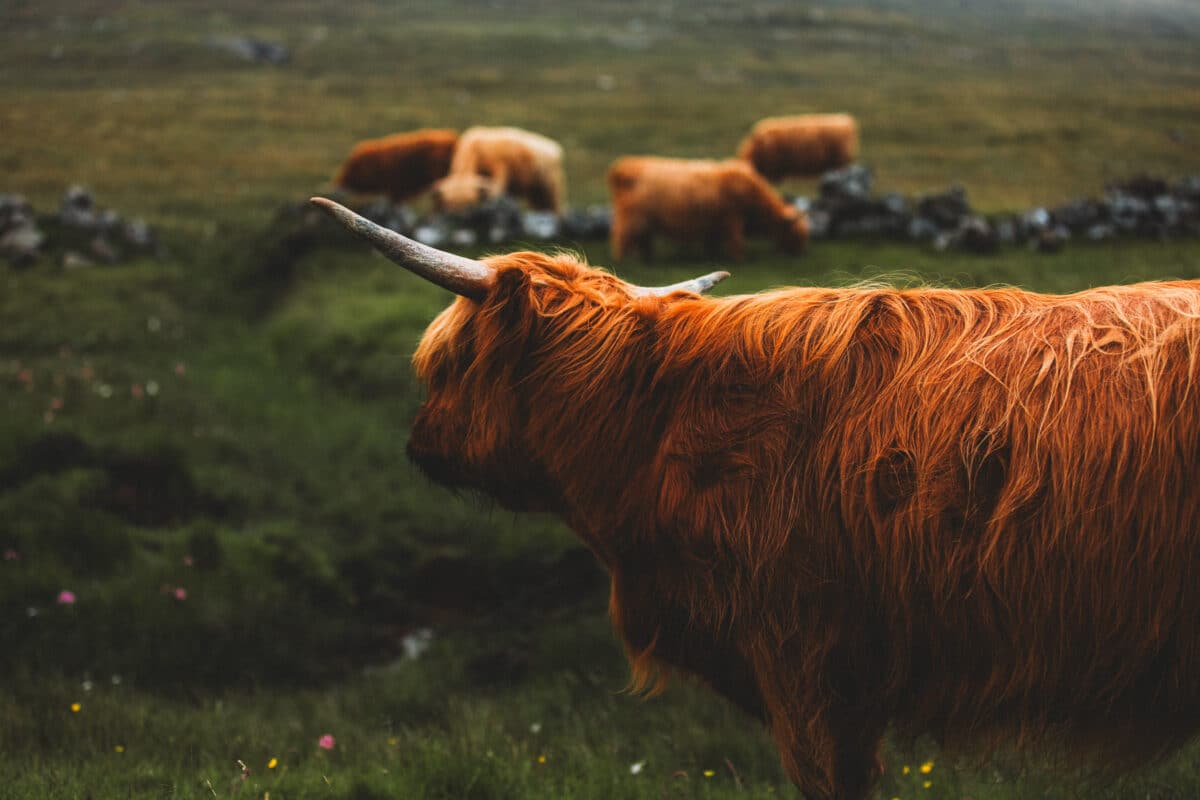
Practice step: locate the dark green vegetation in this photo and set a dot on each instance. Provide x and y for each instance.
(269, 416)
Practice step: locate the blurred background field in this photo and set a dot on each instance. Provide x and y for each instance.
(213, 543)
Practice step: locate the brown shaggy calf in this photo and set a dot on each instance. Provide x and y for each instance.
(401, 166)
(490, 162)
(800, 146)
(714, 203)
(967, 513)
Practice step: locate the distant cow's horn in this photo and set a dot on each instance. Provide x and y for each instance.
(460, 275)
(698, 285)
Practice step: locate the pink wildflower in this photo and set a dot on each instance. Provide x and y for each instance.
(137, 391)
(327, 742)
(180, 593)
(11, 555)
(66, 598)
(188, 561)
(180, 369)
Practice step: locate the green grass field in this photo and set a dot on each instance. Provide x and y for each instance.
(307, 547)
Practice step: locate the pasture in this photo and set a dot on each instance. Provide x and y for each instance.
(311, 556)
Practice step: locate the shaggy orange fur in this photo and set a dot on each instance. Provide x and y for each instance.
(800, 146)
(969, 513)
(714, 203)
(401, 166)
(490, 162)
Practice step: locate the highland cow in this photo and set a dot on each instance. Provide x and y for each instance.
(490, 162)
(801, 146)
(401, 166)
(967, 513)
(713, 203)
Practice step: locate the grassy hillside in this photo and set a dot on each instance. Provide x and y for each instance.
(200, 421)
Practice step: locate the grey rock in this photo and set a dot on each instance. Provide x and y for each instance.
(1034, 221)
(895, 203)
(594, 222)
(397, 217)
(78, 208)
(432, 235)
(138, 234)
(945, 209)
(1079, 215)
(463, 237)
(1168, 210)
(21, 245)
(1007, 230)
(922, 229)
(249, 48)
(819, 223)
(15, 212)
(1128, 212)
(1189, 187)
(853, 181)
(975, 235)
(540, 224)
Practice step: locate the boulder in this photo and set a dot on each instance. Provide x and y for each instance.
(541, 225)
(22, 245)
(976, 235)
(851, 182)
(945, 209)
(591, 223)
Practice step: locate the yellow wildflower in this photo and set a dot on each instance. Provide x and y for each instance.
(119, 748)
(905, 770)
(927, 784)
(927, 768)
(393, 741)
(541, 759)
(75, 708)
(273, 763)
(708, 773)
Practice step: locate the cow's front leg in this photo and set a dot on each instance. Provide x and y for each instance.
(831, 754)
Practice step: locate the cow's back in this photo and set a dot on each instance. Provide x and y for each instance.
(674, 196)
(509, 145)
(800, 145)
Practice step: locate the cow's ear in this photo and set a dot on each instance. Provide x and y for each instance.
(512, 286)
(509, 307)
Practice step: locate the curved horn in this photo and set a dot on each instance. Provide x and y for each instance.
(698, 285)
(460, 275)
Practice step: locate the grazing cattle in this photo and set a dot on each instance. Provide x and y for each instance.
(490, 162)
(714, 203)
(800, 146)
(401, 166)
(967, 513)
